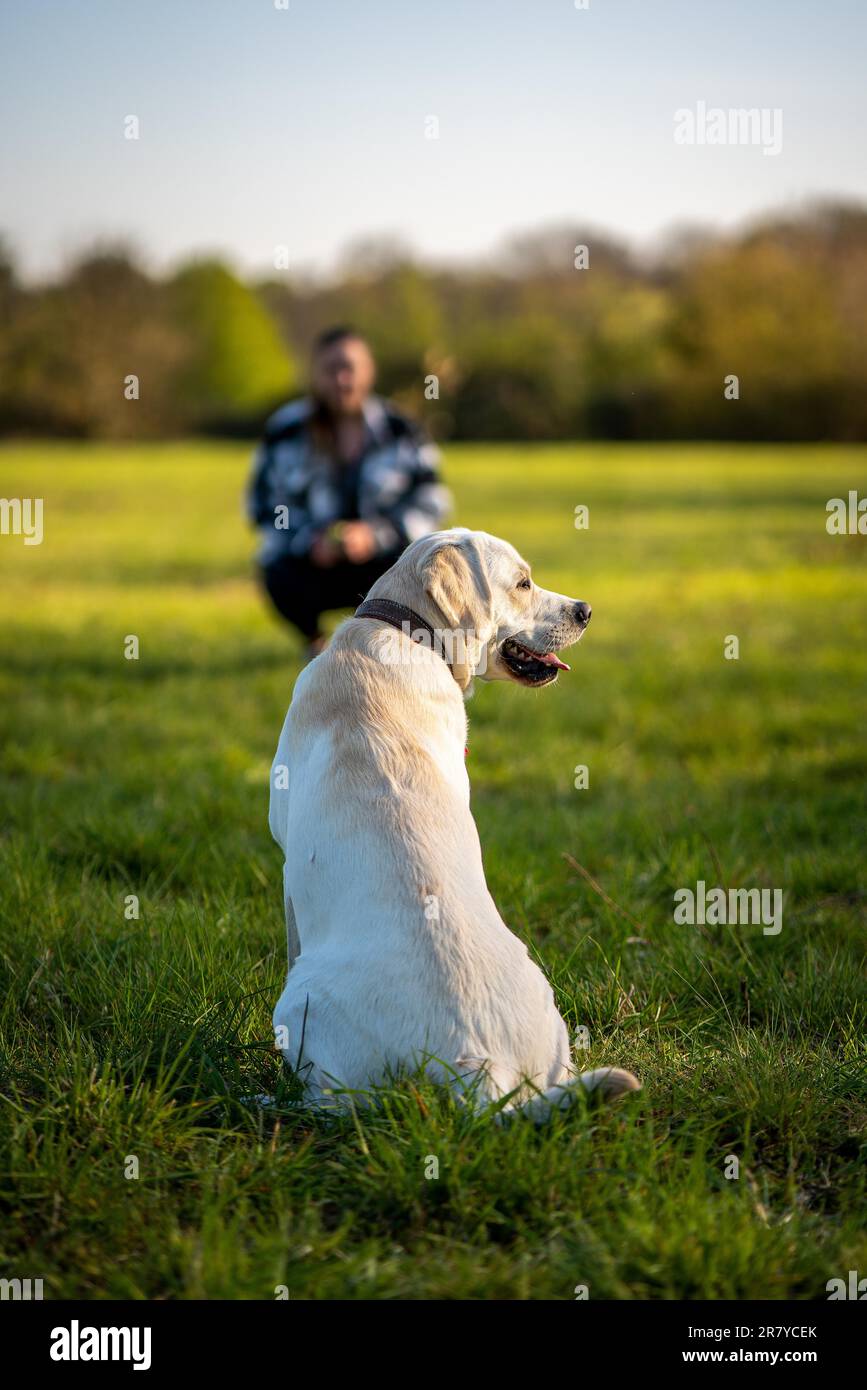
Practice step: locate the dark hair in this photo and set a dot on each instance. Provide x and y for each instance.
(329, 336)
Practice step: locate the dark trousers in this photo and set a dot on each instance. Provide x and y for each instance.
(302, 591)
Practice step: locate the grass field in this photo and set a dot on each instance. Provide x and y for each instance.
(126, 1038)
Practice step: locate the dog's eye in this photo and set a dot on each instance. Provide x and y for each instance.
(524, 583)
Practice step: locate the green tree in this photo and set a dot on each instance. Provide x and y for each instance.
(235, 368)
(72, 347)
(763, 312)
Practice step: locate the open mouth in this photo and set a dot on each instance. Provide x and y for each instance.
(529, 667)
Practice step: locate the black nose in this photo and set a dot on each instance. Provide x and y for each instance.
(582, 613)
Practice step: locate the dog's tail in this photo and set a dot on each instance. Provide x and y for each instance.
(603, 1084)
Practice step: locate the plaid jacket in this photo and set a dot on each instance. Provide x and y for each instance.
(294, 494)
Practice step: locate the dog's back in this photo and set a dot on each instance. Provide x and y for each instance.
(402, 950)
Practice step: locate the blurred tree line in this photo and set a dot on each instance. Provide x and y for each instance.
(526, 346)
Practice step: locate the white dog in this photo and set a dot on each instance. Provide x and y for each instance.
(397, 954)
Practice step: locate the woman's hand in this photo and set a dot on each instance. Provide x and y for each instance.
(359, 542)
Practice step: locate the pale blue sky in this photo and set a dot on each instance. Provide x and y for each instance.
(305, 127)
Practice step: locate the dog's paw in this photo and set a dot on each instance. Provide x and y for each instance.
(607, 1083)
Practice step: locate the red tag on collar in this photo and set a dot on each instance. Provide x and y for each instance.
(466, 752)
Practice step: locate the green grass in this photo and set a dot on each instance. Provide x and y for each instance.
(142, 1037)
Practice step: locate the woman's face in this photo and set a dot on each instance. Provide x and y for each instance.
(343, 375)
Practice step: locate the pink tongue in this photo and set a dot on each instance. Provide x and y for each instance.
(552, 659)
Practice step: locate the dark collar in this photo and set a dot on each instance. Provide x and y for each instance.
(411, 624)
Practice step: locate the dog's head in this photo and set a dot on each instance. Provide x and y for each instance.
(476, 589)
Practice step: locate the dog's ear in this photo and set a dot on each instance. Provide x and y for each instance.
(455, 581)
